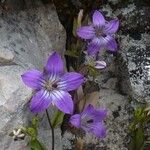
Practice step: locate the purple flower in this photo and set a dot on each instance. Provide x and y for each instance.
(52, 86)
(91, 120)
(100, 33)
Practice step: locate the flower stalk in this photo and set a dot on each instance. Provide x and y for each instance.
(52, 129)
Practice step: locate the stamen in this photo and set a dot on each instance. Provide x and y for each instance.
(50, 85)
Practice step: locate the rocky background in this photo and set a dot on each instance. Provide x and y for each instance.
(31, 29)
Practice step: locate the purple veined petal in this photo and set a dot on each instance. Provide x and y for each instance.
(98, 19)
(40, 101)
(112, 45)
(70, 81)
(63, 101)
(54, 64)
(98, 129)
(87, 110)
(53, 78)
(111, 27)
(102, 41)
(96, 115)
(93, 48)
(33, 79)
(100, 64)
(86, 32)
(75, 120)
(99, 114)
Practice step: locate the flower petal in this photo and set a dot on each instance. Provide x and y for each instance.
(70, 81)
(112, 45)
(33, 79)
(40, 101)
(88, 110)
(96, 115)
(98, 19)
(98, 129)
(99, 114)
(111, 27)
(63, 101)
(54, 64)
(75, 120)
(93, 48)
(100, 64)
(102, 41)
(86, 32)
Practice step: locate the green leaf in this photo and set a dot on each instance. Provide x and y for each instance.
(71, 54)
(57, 119)
(139, 139)
(92, 71)
(36, 145)
(35, 122)
(31, 132)
(75, 24)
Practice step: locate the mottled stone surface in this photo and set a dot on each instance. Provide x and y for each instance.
(134, 54)
(31, 34)
(6, 56)
(135, 60)
(27, 38)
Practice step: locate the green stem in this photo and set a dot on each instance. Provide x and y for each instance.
(52, 129)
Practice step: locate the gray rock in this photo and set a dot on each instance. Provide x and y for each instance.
(27, 38)
(134, 63)
(6, 56)
(134, 54)
(135, 19)
(114, 1)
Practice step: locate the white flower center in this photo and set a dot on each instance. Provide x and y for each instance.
(50, 86)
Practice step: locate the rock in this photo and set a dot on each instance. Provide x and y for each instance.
(134, 63)
(21, 4)
(135, 19)
(46, 138)
(30, 36)
(13, 100)
(114, 2)
(27, 38)
(6, 56)
(134, 54)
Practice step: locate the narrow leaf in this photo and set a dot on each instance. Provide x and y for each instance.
(75, 24)
(36, 145)
(35, 122)
(57, 119)
(139, 139)
(31, 132)
(71, 54)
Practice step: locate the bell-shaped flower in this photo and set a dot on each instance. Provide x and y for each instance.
(100, 34)
(52, 86)
(91, 120)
